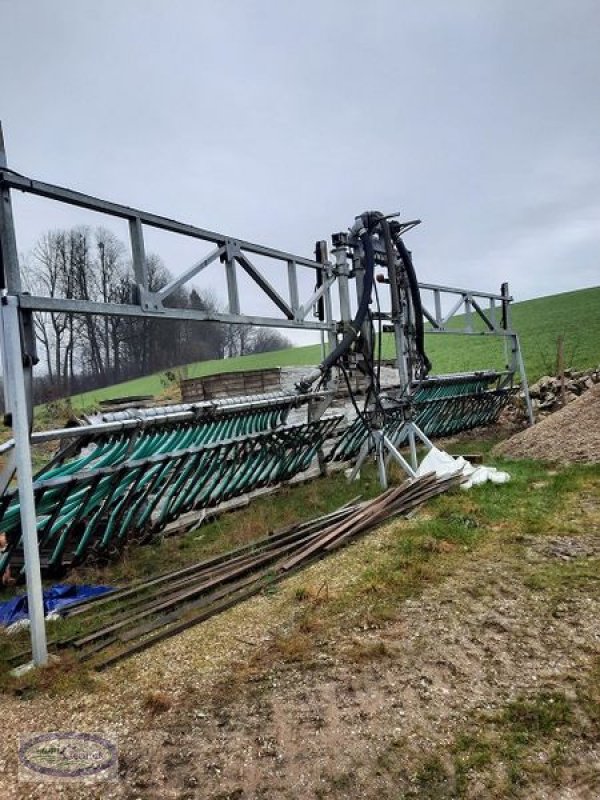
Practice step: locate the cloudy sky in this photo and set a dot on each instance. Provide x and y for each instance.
(278, 122)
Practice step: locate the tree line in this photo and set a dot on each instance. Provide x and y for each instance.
(82, 352)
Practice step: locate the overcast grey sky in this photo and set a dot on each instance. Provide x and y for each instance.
(280, 121)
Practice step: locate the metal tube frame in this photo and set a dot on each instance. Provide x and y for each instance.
(14, 375)
(231, 252)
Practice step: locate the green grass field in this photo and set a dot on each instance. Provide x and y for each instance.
(573, 315)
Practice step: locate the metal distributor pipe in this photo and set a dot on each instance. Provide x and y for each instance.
(144, 417)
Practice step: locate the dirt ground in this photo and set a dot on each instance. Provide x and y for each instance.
(483, 685)
(360, 729)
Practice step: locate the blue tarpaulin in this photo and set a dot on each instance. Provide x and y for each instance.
(55, 598)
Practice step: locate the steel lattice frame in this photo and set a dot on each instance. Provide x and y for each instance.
(17, 305)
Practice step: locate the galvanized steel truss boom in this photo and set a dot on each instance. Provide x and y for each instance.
(293, 312)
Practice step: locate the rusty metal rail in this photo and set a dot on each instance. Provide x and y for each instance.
(134, 618)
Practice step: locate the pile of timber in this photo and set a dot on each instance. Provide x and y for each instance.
(230, 384)
(133, 619)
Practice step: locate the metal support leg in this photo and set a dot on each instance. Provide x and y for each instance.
(14, 375)
(381, 468)
(413, 448)
(384, 449)
(398, 457)
(524, 382)
(420, 435)
(362, 454)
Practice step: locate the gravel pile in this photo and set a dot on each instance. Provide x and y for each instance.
(569, 435)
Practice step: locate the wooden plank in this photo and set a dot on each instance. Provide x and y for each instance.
(231, 384)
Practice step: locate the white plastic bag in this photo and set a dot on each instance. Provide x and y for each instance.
(443, 464)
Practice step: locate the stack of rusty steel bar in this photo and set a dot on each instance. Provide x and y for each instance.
(131, 619)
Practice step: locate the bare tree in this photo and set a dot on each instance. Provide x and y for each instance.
(82, 351)
(49, 273)
(265, 339)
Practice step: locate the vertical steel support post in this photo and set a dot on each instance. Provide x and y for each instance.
(293, 286)
(332, 336)
(516, 356)
(138, 253)
(437, 300)
(506, 321)
(342, 272)
(14, 377)
(468, 314)
(493, 312)
(506, 325)
(9, 259)
(233, 297)
(398, 321)
(325, 302)
(524, 381)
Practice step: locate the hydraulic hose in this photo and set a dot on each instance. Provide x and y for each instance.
(415, 294)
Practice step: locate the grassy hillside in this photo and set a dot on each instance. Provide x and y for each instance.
(153, 384)
(574, 315)
(539, 322)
